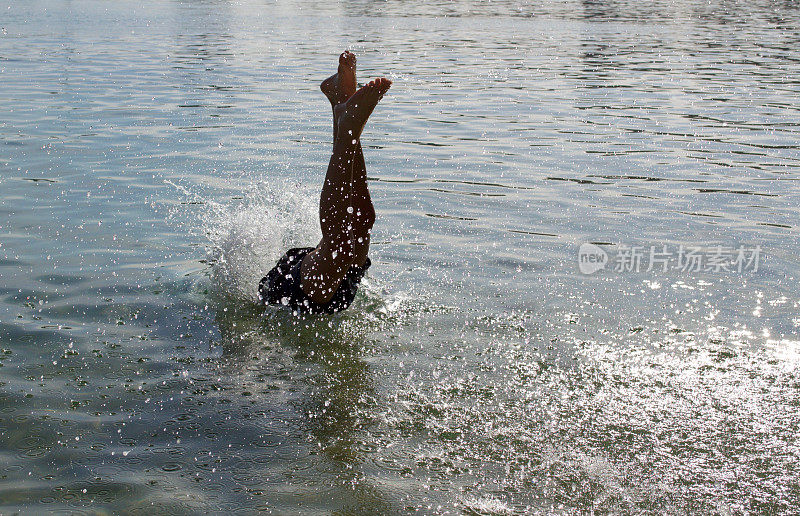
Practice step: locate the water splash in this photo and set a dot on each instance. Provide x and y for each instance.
(247, 238)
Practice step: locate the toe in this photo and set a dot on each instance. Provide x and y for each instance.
(384, 85)
(347, 58)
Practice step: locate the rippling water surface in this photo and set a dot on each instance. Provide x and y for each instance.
(155, 161)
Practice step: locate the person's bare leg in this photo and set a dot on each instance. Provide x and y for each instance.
(338, 88)
(322, 269)
(364, 210)
(342, 85)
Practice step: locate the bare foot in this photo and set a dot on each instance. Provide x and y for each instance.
(353, 114)
(342, 85)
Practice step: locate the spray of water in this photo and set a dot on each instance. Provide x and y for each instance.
(245, 238)
(248, 237)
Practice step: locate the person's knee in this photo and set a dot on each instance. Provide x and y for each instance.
(365, 217)
(343, 253)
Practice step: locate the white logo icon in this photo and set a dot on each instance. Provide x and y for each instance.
(591, 258)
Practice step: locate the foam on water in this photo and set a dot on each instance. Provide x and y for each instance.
(247, 237)
(487, 505)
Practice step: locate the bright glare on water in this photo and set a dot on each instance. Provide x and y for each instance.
(157, 158)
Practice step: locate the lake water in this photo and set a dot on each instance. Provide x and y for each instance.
(156, 160)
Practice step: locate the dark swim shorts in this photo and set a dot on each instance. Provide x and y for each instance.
(281, 286)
